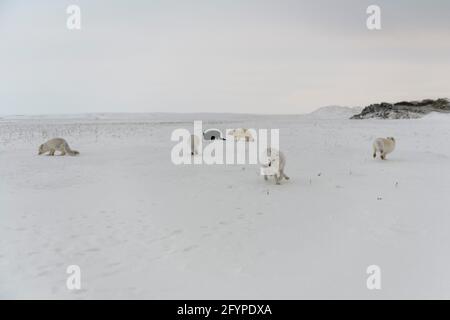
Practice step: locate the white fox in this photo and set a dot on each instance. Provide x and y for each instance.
(272, 164)
(241, 133)
(383, 146)
(57, 144)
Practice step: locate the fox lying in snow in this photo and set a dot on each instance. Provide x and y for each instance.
(383, 146)
(241, 133)
(272, 164)
(57, 144)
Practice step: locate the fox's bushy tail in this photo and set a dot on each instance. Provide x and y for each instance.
(73, 153)
(69, 151)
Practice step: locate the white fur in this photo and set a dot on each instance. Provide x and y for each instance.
(242, 133)
(383, 146)
(273, 163)
(57, 144)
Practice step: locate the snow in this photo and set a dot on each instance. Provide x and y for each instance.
(140, 227)
(335, 112)
(443, 116)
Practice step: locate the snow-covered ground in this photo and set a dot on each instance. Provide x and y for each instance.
(140, 227)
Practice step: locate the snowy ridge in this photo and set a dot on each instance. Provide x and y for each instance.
(335, 112)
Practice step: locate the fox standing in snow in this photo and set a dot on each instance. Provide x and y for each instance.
(57, 144)
(272, 164)
(383, 146)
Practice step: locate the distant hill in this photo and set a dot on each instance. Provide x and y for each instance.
(403, 109)
(334, 112)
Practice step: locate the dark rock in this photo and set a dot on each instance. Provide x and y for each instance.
(404, 109)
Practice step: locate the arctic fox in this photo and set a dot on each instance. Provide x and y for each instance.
(272, 164)
(194, 141)
(383, 146)
(242, 133)
(57, 144)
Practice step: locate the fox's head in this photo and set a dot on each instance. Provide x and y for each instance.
(270, 159)
(41, 149)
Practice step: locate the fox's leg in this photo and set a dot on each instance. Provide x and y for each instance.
(277, 179)
(266, 177)
(284, 175)
(52, 152)
(383, 156)
(65, 150)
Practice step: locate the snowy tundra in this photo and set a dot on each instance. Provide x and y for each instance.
(139, 226)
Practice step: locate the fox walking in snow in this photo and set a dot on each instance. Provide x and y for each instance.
(272, 164)
(384, 146)
(57, 144)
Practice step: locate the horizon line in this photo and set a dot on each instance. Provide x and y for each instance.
(174, 113)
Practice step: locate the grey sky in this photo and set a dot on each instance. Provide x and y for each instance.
(275, 56)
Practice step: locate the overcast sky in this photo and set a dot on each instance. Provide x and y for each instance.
(259, 56)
